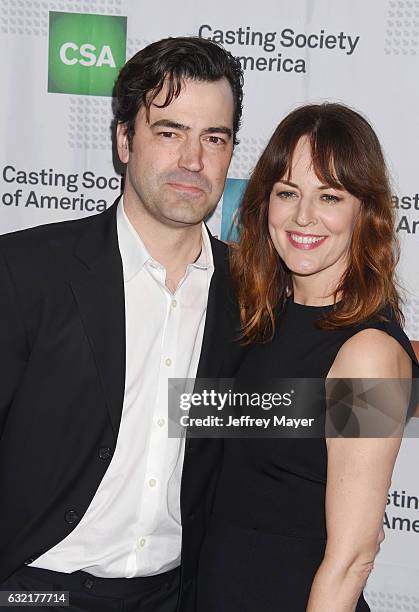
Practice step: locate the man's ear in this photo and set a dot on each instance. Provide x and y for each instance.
(122, 142)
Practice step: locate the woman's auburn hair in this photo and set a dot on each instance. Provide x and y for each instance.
(345, 153)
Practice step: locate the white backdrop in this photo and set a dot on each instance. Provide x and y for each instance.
(365, 54)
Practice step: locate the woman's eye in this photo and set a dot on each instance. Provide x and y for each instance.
(328, 197)
(286, 195)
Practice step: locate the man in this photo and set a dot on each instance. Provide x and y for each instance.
(95, 316)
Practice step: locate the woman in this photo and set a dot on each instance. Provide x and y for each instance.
(296, 521)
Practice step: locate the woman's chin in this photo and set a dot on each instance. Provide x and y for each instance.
(302, 267)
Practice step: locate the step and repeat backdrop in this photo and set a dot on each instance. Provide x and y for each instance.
(60, 60)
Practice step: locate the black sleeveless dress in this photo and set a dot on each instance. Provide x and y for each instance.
(267, 535)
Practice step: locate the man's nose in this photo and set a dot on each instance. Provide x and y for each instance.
(190, 156)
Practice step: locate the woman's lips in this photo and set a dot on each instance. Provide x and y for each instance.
(305, 242)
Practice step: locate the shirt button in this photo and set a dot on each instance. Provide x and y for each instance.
(152, 482)
(168, 362)
(161, 422)
(174, 303)
(141, 542)
(154, 265)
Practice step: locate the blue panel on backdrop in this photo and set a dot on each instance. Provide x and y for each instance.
(233, 193)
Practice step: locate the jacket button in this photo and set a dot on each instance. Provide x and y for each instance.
(189, 446)
(88, 584)
(71, 516)
(105, 453)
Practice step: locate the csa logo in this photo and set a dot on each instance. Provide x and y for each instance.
(85, 53)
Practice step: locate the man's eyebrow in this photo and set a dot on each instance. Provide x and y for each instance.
(170, 124)
(174, 125)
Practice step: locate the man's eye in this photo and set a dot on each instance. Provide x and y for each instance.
(167, 134)
(216, 140)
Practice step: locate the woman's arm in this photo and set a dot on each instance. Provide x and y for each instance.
(358, 478)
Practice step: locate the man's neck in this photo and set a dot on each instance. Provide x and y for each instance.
(173, 247)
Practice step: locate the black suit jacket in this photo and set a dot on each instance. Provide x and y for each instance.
(62, 364)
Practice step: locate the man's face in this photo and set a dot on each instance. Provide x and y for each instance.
(178, 161)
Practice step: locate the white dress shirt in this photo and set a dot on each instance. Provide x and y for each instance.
(132, 526)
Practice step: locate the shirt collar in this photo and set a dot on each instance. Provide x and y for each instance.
(134, 253)
(205, 259)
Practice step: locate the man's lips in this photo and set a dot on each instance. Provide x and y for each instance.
(186, 187)
(305, 242)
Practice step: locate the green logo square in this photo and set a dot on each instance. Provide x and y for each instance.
(85, 52)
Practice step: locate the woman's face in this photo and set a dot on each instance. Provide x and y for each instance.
(310, 223)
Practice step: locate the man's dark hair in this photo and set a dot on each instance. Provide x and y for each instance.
(170, 61)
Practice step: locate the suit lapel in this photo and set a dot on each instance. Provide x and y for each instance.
(98, 287)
